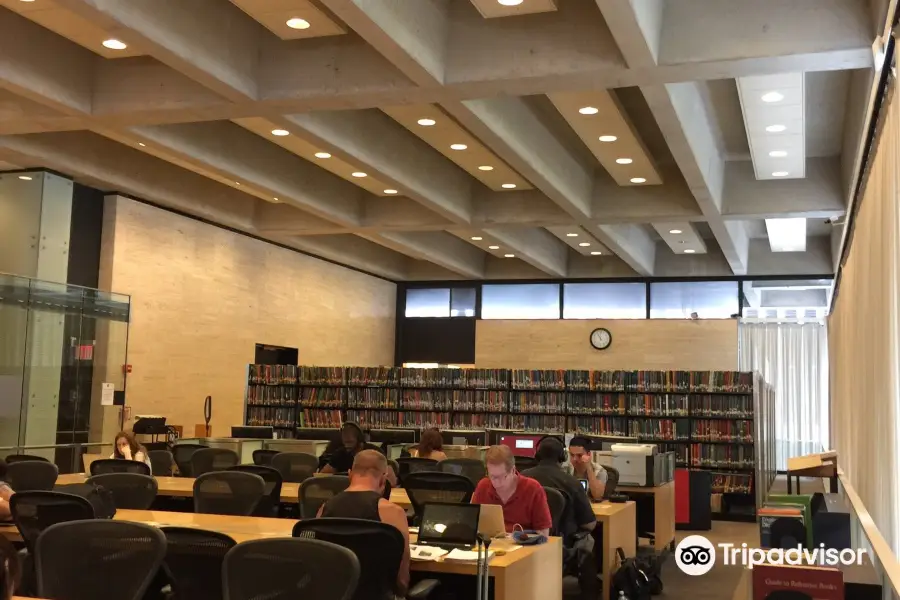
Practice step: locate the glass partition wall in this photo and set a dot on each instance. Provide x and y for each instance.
(62, 369)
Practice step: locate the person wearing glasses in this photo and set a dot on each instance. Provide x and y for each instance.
(523, 499)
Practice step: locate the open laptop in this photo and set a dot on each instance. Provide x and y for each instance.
(490, 521)
(449, 525)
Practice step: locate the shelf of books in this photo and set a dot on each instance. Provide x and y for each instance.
(712, 420)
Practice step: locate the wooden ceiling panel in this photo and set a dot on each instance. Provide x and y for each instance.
(598, 114)
(275, 14)
(490, 9)
(304, 149)
(476, 159)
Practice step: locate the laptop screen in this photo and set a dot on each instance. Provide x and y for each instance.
(446, 523)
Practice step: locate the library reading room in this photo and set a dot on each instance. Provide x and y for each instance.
(449, 300)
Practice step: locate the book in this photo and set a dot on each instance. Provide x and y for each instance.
(788, 582)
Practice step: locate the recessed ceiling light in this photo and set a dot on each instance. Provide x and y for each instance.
(675, 231)
(508, 186)
(485, 168)
(458, 146)
(275, 200)
(494, 247)
(322, 155)
(596, 253)
(477, 238)
(775, 128)
(281, 132)
(638, 180)
(607, 138)
(510, 2)
(426, 122)
(509, 256)
(588, 110)
(780, 174)
(772, 97)
(689, 251)
(778, 153)
(358, 174)
(584, 244)
(142, 144)
(298, 23)
(114, 44)
(571, 235)
(389, 191)
(24, 177)
(624, 161)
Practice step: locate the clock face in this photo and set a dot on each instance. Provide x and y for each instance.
(601, 339)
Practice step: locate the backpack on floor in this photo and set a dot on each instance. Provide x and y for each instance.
(99, 497)
(630, 581)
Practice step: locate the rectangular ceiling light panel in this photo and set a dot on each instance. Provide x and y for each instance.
(787, 235)
(774, 116)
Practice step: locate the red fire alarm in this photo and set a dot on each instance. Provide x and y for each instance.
(126, 368)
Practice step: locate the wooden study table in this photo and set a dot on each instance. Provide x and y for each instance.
(823, 465)
(619, 524)
(663, 512)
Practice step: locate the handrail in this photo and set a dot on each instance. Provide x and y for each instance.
(880, 548)
(52, 446)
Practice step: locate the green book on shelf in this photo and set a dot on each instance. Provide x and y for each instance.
(802, 500)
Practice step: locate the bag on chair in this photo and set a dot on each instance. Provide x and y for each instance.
(99, 497)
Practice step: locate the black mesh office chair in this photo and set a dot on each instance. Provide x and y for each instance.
(316, 491)
(414, 464)
(85, 560)
(35, 511)
(558, 504)
(268, 505)
(377, 546)
(14, 458)
(114, 465)
(612, 480)
(525, 462)
(182, 454)
(228, 493)
(129, 490)
(472, 468)
(194, 560)
(395, 467)
(208, 460)
(161, 462)
(435, 486)
(284, 569)
(295, 467)
(264, 457)
(32, 475)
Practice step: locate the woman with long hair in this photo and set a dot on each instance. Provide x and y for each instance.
(126, 447)
(431, 445)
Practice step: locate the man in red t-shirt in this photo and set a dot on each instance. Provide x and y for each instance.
(523, 499)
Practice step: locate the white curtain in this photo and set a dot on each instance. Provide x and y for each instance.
(793, 357)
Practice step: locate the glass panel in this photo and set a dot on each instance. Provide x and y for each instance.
(794, 299)
(14, 295)
(605, 301)
(526, 301)
(681, 299)
(462, 302)
(428, 302)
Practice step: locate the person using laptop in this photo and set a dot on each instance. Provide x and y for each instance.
(353, 441)
(363, 499)
(581, 465)
(523, 499)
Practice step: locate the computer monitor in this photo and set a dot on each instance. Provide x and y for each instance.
(464, 437)
(316, 433)
(522, 445)
(449, 524)
(387, 437)
(261, 432)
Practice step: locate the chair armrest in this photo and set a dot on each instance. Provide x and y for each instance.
(422, 589)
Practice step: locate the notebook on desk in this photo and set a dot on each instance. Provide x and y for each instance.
(449, 525)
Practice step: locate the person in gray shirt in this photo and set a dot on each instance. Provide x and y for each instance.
(581, 466)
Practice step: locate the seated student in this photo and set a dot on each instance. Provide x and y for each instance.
(549, 473)
(431, 445)
(523, 499)
(363, 500)
(126, 447)
(353, 441)
(6, 493)
(582, 466)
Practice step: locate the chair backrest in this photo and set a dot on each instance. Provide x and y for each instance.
(14, 458)
(213, 459)
(194, 560)
(295, 467)
(472, 468)
(395, 467)
(35, 511)
(289, 568)
(182, 454)
(525, 462)
(32, 475)
(377, 546)
(269, 503)
(264, 457)
(435, 486)
(414, 464)
(85, 560)
(612, 480)
(558, 504)
(228, 493)
(162, 462)
(316, 491)
(129, 490)
(115, 465)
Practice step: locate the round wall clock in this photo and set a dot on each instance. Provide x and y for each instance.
(601, 338)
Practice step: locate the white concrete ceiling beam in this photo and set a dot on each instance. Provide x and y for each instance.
(672, 201)
(354, 251)
(392, 154)
(537, 247)
(636, 26)
(440, 248)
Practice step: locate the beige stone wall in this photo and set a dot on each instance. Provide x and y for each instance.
(202, 297)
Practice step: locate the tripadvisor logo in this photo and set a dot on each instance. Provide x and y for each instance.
(696, 555)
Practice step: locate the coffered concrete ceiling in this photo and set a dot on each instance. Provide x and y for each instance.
(432, 139)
